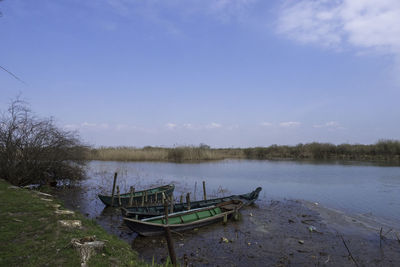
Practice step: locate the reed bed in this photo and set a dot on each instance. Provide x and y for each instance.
(384, 150)
(176, 154)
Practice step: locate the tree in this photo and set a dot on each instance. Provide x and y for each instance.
(35, 150)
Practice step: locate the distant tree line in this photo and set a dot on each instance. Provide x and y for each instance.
(382, 150)
(35, 151)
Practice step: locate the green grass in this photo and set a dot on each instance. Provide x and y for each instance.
(31, 236)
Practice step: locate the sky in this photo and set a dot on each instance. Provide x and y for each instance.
(227, 73)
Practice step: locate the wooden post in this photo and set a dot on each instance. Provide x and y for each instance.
(188, 201)
(195, 191)
(166, 212)
(163, 198)
(236, 215)
(181, 200)
(172, 204)
(131, 197)
(156, 197)
(142, 199)
(146, 197)
(225, 218)
(204, 190)
(119, 196)
(113, 189)
(168, 236)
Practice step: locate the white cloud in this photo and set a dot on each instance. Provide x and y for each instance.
(71, 126)
(288, 124)
(213, 125)
(88, 124)
(366, 24)
(329, 125)
(266, 124)
(171, 126)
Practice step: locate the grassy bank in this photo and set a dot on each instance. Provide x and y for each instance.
(387, 150)
(31, 234)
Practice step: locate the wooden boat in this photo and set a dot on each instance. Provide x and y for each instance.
(157, 210)
(184, 220)
(153, 195)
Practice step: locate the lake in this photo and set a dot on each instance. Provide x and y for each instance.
(357, 187)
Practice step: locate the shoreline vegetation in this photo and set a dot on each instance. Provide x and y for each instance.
(33, 235)
(44, 233)
(382, 151)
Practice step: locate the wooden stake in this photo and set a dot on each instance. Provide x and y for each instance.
(168, 236)
(348, 250)
(119, 196)
(163, 198)
(131, 197)
(166, 212)
(113, 189)
(236, 215)
(225, 218)
(146, 200)
(195, 191)
(181, 200)
(188, 201)
(204, 190)
(172, 204)
(142, 199)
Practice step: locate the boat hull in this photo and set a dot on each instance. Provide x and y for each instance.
(156, 210)
(156, 226)
(154, 195)
(154, 230)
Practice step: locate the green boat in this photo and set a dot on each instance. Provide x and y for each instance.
(185, 220)
(138, 212)
(153, 195)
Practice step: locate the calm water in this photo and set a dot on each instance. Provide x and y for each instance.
(363, 188)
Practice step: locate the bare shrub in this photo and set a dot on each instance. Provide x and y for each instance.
(35, 150)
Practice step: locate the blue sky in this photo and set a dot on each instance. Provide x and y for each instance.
(229, 73)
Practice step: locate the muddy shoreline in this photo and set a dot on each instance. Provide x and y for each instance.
(273, 233)
(278, 234)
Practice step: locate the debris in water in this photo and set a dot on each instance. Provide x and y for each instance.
(87, 247)
(224, 239)
(312, 228)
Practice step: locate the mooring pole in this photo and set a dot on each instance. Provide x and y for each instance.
(172, 204)
(195, 191)
(204, 190)
(168, 236)
(188, 201)
(113, 189)
(131, 197)
(119, 196)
